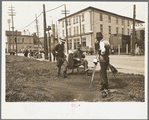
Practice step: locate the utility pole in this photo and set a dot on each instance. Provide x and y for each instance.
(53, 31)
(9, 24)
(9, 43)
(12, 13)
(48, 29)
(133, 38)
(45, 35)
(80, 29)
(37, 30)
(16, 41)
(66, 12)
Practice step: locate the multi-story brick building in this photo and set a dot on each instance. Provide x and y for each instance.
(93, 20)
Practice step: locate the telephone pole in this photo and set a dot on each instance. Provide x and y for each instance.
(16, 41)
(45, 35)
(9, 43)
(133, 38)
(66, 12)
(12, 13)
(80, 29)
(37, 30)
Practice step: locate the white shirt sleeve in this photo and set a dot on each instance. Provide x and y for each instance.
(102, 48)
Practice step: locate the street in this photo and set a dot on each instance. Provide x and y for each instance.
(124, 63)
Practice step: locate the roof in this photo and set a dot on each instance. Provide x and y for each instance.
(100, 11)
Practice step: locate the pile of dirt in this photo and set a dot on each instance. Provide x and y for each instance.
(30, 80)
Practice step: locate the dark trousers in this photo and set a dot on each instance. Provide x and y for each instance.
(62, 63)
(103, 73)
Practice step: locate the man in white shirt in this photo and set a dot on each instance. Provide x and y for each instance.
(103, 51)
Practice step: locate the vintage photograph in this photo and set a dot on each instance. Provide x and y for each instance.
(75, 52)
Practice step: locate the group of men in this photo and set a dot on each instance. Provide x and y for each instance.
(78, 57)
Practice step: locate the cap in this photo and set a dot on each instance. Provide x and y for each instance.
(63, 40)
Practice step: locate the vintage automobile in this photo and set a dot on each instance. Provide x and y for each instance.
(87, 49)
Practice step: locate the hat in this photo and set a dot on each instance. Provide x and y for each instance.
(63, 40)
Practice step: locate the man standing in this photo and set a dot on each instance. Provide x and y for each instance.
(58, 52)
(103, 50)
(78, 58)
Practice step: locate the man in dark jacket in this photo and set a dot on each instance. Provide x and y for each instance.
(103, 51)
(58, 52)
(78, 58)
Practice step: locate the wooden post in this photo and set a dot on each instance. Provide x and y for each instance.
(133, 38)
(119, 50)
(45, 35)
(126, 48)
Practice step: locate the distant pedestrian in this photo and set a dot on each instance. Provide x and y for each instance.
(26, 53)
(59, 52)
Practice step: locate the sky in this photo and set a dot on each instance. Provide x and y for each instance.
(26, 12)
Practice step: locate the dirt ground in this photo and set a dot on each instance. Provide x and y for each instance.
(30, 80)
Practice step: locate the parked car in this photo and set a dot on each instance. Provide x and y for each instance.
(87, 49)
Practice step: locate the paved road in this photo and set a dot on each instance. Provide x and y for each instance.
(124, 63)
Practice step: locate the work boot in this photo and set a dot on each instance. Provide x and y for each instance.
(64, 74)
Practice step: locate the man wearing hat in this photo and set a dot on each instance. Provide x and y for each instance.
(58, 52)
(78, 58)
(103, 51)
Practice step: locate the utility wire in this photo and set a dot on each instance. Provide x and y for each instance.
(39, 15)
(55, 8)
(30, 23)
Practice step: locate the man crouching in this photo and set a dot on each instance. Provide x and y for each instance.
(78, 58)
(58, 52)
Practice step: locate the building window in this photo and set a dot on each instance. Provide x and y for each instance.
(62, 23)
(70, 44)
(116, 30)
(76, 19)
(117, 21)
(122, 22)
(73, 20)
(22, 40)
(101, 28)
(69, 21)
(78, 42)
(63, 33)
(109, 29)
(128, 31)
(77, 30)
(29, 40)
(100, 16)
(82, 17)
(69, 31)
(109, 19)
(74, 31)
(19, 40)
(83, 28)
(75, 44)
(122, 30)
(128, 22)
(83, 41)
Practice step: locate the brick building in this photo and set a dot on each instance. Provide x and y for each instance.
(23, 41)
(93, 20)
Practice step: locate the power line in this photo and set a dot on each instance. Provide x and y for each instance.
(30, 23)
(55, 8)
(39, 15)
